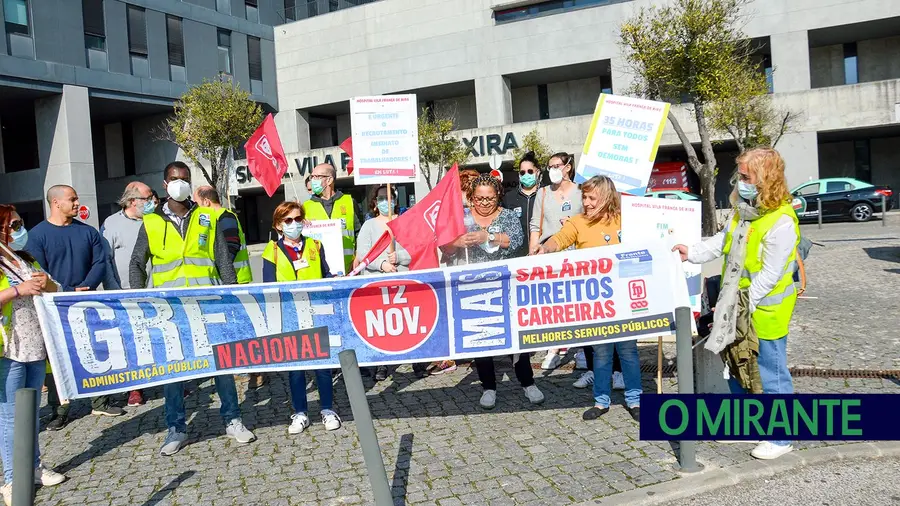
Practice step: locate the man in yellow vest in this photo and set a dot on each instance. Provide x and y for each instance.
(186, 248)
(328, 204)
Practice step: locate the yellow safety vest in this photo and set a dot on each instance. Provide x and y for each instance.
(284, 268)
(242, 259)
(177, 262)
(345, 211)
(773, 313)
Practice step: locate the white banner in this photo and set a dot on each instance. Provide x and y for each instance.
(385, 131)
(328, 232)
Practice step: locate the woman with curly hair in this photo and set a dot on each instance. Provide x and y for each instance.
(760, 249)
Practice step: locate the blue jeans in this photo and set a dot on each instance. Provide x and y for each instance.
(773, 371)
(16, 375)
(631, 370)
(297, 382)
(175, 414)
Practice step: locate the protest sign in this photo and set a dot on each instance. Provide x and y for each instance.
(622, 142)
(329, 233)
(116, 341)
(671, 222)
(385, 137)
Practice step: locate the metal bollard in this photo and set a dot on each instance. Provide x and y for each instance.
(883, 209)
(368, 440)
(23, 447)
(820, 212)
(687, 455)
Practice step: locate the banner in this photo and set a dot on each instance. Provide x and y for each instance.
(622, 142)
(115, 341)
(385, 139)
(329, 233)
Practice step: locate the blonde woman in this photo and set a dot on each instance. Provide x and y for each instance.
(760, 249)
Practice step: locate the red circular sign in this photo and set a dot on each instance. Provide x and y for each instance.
(394, 316)
(84, 212)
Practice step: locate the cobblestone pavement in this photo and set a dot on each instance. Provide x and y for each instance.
(439, 447)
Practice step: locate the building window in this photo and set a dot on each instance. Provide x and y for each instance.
(333, 5)
(767, 67)
(254, 56)
(137, 41)
(175, 44)
(851, 74)
(16, 14)
(252, 11)
(862, 160)
(94, 34)
(223, 6)
(548, 7)
(225, 52)
(290, 10)
(606, 85)
(543, 102)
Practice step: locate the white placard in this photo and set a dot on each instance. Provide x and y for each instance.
(622, 142)
(385, 132)
(328, 232)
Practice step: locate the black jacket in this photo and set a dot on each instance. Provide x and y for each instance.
(523, 206)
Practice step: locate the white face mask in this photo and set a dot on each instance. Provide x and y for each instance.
(556, 176)
(179, 190)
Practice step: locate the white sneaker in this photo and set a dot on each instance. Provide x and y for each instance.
(488, 399)
(331, 420)
(47, 477)
(580, 361)
(618, 381)
(551, 361)
(299, 423)
(534, 395)
(732, 442)
(174, 441)
(241, 434)
(768, 451)
(586, 380)
(6, 491)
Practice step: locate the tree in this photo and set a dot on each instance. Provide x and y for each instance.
(690, 51)
(209, 120)
(750, 117)
(438, 149)
(533, 142)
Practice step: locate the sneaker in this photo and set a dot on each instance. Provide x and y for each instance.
(534, 395)
(174, 441)
(768, 450)
(299, 423)
(594, 412)
(241, 434)
(736, 442)
(618, 381)
(635, 412)
(443, 368)
(381, 373)
(58, 422)
(330, 420)
(580, 361)
(6, 491)
(551, 361)
(586, 380)
(136, 398)
(112, 411)
(488, 399)
(47, 477)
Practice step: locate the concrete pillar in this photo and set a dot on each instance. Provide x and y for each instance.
(493, 101)
(790, 59)
(115, 150)
(800, 151)
(2, 163)
(65, 146)
(293, 130)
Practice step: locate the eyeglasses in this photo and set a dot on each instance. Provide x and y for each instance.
(320, 177)
(381, 199)
(289, 220)
(522, 172)
(484, 200)
(559, 166)
(16, 225)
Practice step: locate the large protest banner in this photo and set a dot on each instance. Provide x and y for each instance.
(329, 233)
(385, 137)
(115, 341)
(622, 142)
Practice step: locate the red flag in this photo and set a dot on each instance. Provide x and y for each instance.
(265, 156)
(347, 146)
(380, 245)
(434, 221)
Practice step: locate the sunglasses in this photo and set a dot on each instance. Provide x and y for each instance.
(289, 220)
(16, 225)
(522, 172)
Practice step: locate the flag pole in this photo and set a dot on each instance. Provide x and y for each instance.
(392, 248)
(294, 185)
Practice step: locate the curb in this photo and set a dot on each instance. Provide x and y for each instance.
(688, 485)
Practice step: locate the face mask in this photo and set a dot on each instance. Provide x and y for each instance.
(383, 207)
(746, 190)
(293, 230)
(556, 176)
(179, 190)
(149, 207)
(18, 239)
(317, 186)
(528, 180)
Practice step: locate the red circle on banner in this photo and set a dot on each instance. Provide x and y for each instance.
(394, 316)
(84, 212)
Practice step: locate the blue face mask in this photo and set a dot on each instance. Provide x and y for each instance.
(317, 186)
(383, 207)
(747, 191)
(18, 239)
(528, 180)
(293, 230)
(149, 207)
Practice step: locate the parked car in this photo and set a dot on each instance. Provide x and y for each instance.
(840, 198)
(671, 194)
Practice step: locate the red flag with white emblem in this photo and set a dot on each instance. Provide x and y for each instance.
(265, 156)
